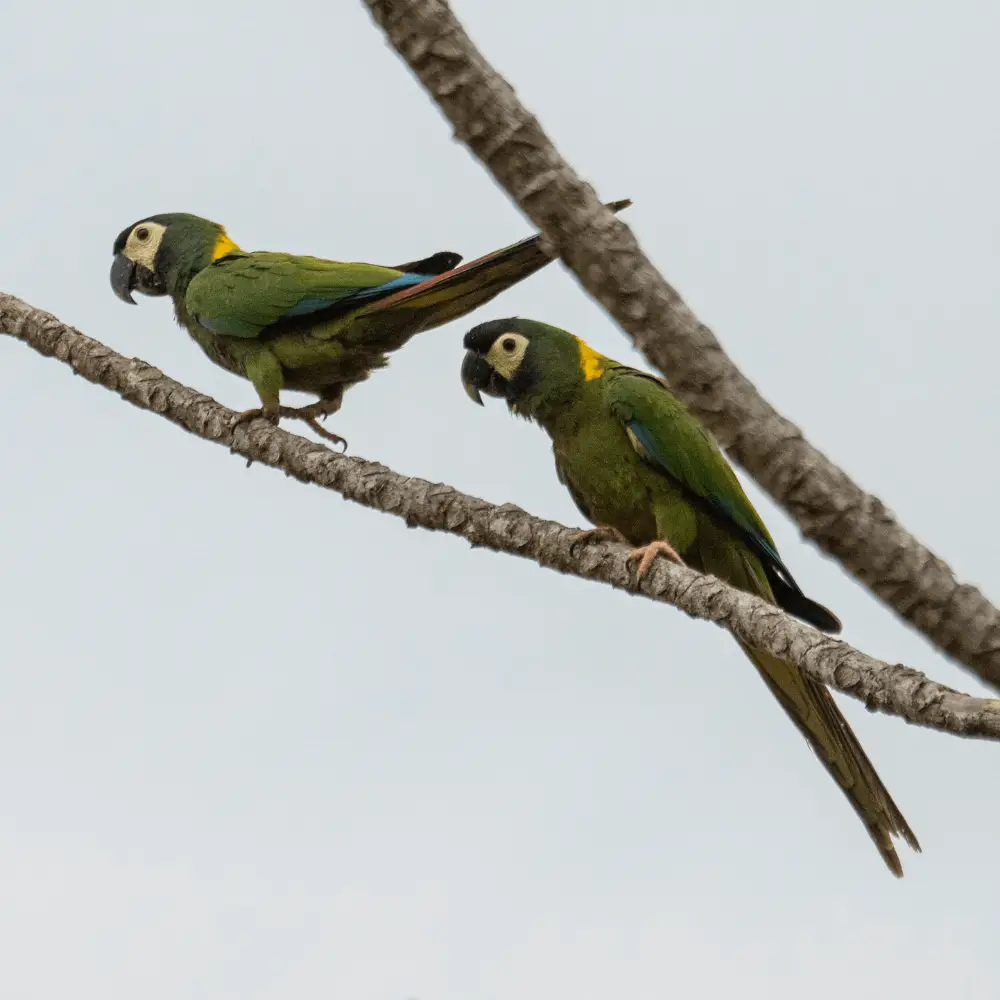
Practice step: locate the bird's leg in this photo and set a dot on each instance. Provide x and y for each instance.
(646, 554)
(263, 370)
(602, 533)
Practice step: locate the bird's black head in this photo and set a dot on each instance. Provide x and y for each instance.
(155, 254)
(531, 365)
(494, 355)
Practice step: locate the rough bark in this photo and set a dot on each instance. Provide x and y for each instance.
(893, 689)
(841, 518)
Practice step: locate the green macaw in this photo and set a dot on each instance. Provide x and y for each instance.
(289, 322)
(643, 469)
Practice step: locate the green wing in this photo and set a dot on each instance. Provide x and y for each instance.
(667, 436)
(242, 295)
(248, 295)
(670, 439)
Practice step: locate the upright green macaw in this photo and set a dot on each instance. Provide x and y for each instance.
(289, 322)
(643, 469)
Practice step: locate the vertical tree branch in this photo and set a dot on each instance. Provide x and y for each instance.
(841, 518)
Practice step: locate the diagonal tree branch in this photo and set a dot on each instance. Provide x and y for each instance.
(851, 525)
(895, 690)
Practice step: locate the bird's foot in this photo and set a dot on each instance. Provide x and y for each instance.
(324, 433)
(321, 408)
(309, 414)
(602, 533)
(646, 554)
(267, 414)
(271, 416)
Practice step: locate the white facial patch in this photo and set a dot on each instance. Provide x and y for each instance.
(507, 353)
(143, 242)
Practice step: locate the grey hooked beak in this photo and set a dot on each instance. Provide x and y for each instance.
(123, 278)
(475, 375)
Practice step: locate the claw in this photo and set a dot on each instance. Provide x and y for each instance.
(324, 433)
(602, 533)
(646, 554)
(309, 414)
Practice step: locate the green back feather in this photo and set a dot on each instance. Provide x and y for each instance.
(243, 294)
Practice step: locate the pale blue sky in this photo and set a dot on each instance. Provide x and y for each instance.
(259, 743)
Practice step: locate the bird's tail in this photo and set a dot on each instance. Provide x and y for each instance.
(458, 291)
(812, 708)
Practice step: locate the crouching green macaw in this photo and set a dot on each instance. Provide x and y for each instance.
(643, 469)
(289, 322)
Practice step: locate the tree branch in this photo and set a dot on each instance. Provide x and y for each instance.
(849, 524)
(895, 690)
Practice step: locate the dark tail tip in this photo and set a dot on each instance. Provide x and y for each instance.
(437, 263)
(788, 597)
(823, 618)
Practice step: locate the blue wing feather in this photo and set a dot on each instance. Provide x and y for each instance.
(312, 304)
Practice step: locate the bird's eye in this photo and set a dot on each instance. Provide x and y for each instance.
(508, 344)
(142, 234)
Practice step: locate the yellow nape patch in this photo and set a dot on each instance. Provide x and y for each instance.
(223, 245)
(591, 362)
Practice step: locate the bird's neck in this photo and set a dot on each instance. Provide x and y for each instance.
(179, 267)
(178, 276)
(559, 410)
